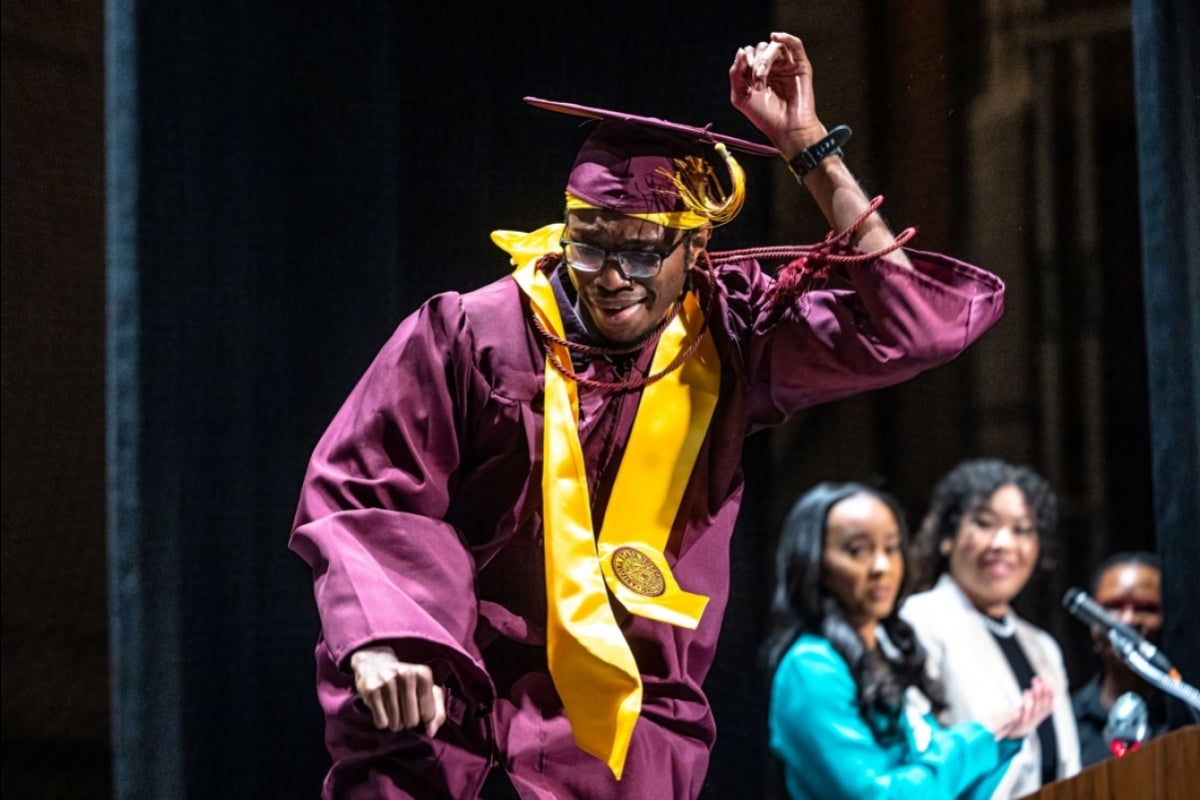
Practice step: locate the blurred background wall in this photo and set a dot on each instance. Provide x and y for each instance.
(214, 213)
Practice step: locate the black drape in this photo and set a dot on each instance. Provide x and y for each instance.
(1167, 73)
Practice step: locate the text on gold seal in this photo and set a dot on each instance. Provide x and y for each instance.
(638, 572)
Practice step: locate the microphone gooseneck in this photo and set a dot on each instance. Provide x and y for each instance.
(1124, 638)
(1142, 657)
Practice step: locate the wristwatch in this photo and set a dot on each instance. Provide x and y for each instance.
(807, 159)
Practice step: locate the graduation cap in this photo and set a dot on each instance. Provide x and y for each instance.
(653, 168)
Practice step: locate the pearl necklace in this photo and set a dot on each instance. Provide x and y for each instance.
(1004, 628)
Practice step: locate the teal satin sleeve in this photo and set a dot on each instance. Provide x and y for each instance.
(829, 752)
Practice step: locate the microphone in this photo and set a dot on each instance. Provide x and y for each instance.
(1124, 639)
(1127, 725)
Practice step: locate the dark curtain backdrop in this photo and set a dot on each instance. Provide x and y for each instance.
(54, 678)
(1167, 71)
(286, 181)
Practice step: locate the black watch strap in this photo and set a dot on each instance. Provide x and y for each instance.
(807, 159)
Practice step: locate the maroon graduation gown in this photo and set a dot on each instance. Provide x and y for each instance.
(420, 515)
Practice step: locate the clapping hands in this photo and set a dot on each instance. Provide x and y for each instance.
(1036, 704)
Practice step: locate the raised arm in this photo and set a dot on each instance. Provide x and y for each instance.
(771, 83)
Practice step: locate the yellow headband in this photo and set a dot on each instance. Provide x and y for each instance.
(699, 190)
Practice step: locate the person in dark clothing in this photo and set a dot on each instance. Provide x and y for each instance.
(1129, 585)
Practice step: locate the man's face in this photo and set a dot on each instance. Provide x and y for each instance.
(613, 305)
(1132, 594)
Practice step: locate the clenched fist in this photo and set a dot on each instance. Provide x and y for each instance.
(399, 695)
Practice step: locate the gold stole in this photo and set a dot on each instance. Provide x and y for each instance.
(590, 662)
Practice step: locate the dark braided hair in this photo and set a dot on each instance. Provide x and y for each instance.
(801, 604)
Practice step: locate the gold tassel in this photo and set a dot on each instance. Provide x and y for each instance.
(701, 190)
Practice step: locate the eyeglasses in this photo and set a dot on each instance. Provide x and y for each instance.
(633, 263)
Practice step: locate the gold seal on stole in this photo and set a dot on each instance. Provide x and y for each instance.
(638, 572)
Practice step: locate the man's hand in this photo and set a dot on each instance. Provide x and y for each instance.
(400, 695)
(772, 85)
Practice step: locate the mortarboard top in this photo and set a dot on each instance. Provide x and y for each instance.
(631, 164)
(704, 134)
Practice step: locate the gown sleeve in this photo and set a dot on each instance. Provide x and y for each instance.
(387, 567)
(829, 751)
(884, 326)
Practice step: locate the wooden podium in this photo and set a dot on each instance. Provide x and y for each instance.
(1166, 768)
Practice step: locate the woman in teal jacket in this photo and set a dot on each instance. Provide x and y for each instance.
(851, 712)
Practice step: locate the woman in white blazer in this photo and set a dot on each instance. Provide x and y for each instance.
(977, 548)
